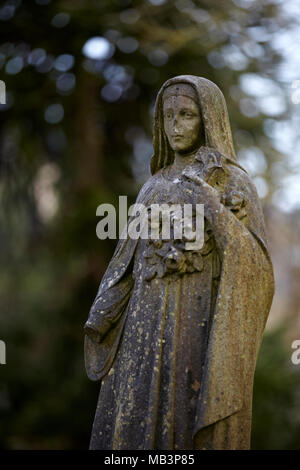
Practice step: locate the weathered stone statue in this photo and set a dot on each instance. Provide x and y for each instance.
(173, 334)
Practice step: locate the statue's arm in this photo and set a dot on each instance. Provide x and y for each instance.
(116, 286)
(108, 308)
(113, 293)
(237, 215)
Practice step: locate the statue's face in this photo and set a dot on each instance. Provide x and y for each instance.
(182, 123)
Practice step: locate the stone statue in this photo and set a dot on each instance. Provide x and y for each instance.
(173, 334)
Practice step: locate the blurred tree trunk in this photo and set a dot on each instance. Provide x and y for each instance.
(87, 147)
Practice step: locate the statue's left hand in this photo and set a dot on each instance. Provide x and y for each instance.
(191, 176)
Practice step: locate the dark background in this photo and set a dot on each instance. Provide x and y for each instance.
(75, 132)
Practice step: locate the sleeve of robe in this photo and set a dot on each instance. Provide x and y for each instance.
(107, 316)
(244, 298)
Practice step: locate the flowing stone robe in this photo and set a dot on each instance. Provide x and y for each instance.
(180, 330)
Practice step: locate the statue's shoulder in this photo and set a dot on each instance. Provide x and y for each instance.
(218, 166)
(240, 178)
(241, 187)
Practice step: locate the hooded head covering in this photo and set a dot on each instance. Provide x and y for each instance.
(214, 116)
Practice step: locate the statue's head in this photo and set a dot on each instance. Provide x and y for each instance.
(190, 112)
(182, 118)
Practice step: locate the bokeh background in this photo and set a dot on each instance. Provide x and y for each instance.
(81, 79)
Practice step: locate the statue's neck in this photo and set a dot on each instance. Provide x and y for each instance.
(183, 160)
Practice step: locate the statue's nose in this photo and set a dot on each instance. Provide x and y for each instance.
(175, 125)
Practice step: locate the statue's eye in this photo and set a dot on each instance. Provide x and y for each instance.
(168, 115)
(187, 114)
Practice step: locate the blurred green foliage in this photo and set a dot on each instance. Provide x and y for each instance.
(276, 418)
(76, 132)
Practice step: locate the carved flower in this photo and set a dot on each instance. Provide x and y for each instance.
(235, 201)
(170, 257)
(194, 261)
(174, 260)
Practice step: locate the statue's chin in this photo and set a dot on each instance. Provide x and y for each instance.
(183, 149)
